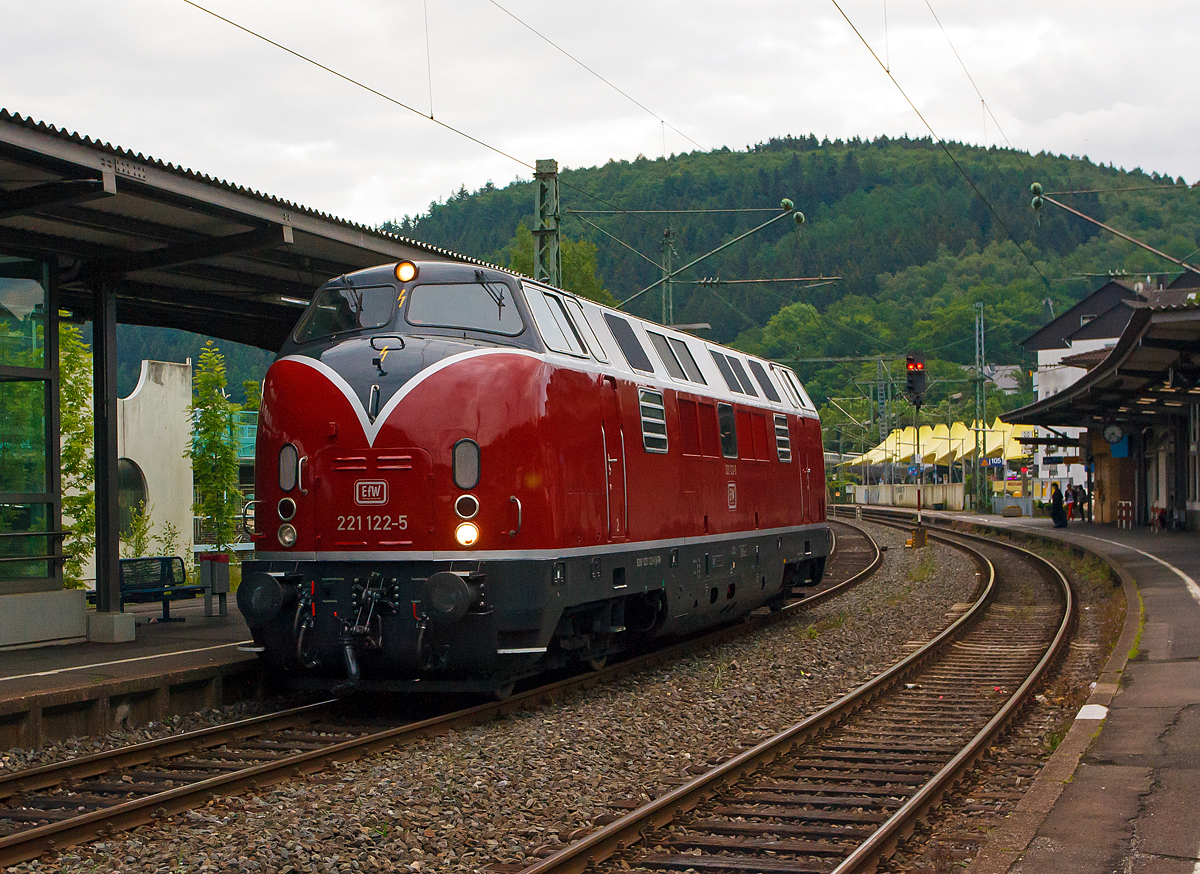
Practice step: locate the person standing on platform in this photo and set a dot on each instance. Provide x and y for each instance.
(1082, 499)
(1069, 500)
(1057, 514)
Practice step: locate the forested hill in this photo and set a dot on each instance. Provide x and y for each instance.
(914, 246)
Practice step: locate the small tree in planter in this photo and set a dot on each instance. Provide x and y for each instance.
(213, 450)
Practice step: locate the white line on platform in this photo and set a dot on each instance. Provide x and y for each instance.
(161, 655)
(1193, 589)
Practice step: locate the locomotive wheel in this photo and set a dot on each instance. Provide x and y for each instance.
(504, 692)
(596, 663)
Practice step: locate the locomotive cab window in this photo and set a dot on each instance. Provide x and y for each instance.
(346, 308)
(466, 306)
(581, 322)
(654, 420)
(728, 425)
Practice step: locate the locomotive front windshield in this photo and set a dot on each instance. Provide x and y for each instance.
(467, 306)
(336, 310)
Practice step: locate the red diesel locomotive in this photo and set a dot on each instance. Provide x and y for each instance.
(465, 477)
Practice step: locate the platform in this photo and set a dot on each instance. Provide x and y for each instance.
(51, 693)
(1120, 792)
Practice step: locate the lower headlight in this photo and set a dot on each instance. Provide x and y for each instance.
(467, 533)
(287, 535)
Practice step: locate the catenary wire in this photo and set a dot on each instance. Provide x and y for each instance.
(401, 104)
(942, 144)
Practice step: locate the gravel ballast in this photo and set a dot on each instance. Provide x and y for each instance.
(493, 793)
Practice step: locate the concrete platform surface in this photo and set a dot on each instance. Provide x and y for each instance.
(1121, 794)
(49, 693)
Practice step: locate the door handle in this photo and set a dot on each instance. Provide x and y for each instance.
(515, 500)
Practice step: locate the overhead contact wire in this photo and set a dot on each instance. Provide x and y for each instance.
(400, 104)
(942, 144)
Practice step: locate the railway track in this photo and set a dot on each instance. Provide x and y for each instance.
(837, 791)
(55, 806)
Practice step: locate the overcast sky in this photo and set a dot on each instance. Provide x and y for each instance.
(1114, 81)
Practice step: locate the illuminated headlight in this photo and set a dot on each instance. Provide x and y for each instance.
(467, 533)
(287, 535)
(406, 271)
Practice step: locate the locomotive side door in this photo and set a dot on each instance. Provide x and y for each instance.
(613, 442)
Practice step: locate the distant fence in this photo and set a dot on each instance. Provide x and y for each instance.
(943, 496)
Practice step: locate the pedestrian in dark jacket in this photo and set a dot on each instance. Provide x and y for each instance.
(1057, 514)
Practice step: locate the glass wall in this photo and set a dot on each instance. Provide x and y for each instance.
(29, 501)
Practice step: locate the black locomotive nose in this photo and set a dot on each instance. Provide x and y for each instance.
(260, 598)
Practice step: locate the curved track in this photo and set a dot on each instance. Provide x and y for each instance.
(837, 791)
(66, 803)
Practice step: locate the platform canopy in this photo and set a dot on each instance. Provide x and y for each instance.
(180, 249)
(942, 445)
(1152, 372)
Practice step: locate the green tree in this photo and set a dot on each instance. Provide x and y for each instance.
(213, 449)
(580, 272)
(253, 391)
(78, 458)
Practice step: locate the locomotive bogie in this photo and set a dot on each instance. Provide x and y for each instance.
(469, 504)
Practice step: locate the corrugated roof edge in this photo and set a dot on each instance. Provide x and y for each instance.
(83, 140)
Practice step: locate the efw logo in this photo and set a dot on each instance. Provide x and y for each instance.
(370, 491)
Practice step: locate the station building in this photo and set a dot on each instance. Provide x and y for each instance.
(1119, 389)
(99, 233)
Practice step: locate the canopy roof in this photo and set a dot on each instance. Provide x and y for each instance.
(182, 250)
(946, 444)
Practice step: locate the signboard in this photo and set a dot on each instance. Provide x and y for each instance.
(913, 470)
(1052, 459)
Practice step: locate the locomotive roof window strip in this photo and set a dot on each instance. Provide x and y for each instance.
(783, 439)
(557, 336)
(581, 321)
(466, 306)
(628, 343)
(344, 308)
(663, 348)
(570, 329)
(654, 420)
(684, 354)
(730, 377)
(742, 375)
(727, 422)
(764, 381)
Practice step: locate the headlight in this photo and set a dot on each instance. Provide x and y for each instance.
(467, 533)
(287, 509)
(406, 271)
(287, 535)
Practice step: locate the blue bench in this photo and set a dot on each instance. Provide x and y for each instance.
(144, 580)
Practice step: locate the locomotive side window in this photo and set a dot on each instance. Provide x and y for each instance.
(684, 354)
(728, 425)
(783, 440)
(689, 428)
(468, 306)
(585, 326)
(663, 348)
(336, 310)
(764, 381)
(553, 324)
(631, 348)
(654, 420)
(731, 380)
(788, 391)
(710, 431)
(805, 400)
(743, 376)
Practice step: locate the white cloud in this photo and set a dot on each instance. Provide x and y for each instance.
(162, 78)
